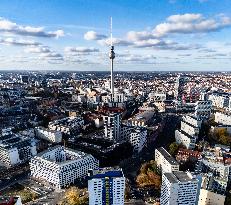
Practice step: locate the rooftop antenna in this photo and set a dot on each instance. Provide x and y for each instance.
(112, 56)
(111, 31)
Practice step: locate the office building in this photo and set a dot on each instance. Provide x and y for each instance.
(165, 161)
(61, 166)
(106, 186)
(178, 188)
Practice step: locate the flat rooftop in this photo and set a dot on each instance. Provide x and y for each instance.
(167, 156)
(70, 155)
(106, 172)
(179, 177)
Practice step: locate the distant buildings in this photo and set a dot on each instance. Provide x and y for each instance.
(165, 161)
(179, 188)
(16, 149)
(106, 186)
(61, 166)
(220, 100)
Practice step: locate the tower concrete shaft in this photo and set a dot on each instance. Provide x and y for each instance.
(112, 56)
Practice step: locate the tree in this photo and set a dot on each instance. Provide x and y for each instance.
(173, 148)
(75, 196)
(149, 175)
(27, 195)
(127, 190)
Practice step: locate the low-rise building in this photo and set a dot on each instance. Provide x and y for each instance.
(49, 135)
(223, 118)
(67, 125)
(208, 197)
(184, 155)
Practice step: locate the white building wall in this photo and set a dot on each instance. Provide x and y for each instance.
(192, 120)
(14, 156)
(178, 192)
(188, 142)
(189, 129)
(223, 118)
(95, 189)
(118, 190)
(50, 135)
(164, 164)
(210, 198)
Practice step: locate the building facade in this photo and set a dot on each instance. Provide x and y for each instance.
(16, 149)
(178, 188)
(49, 135)
(106, 186)
(61, 166)
(165, 161)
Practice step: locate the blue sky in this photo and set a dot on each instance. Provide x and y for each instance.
(148, 35)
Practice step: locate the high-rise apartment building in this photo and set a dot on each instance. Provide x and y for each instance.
(178, 188)
(112, 123)
(106, 186)
(180, 81)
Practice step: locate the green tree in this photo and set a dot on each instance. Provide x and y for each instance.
(173, 148)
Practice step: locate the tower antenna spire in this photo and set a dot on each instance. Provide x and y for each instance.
(112, 56)
(111, 32)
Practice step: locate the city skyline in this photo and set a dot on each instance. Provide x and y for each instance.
(166, 35)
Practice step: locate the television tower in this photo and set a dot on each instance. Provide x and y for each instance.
(112, 56)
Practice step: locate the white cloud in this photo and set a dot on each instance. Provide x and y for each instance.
(81, 49)
(115, 41)
(11, 27)
(38, 49)
(191, 23)
(18, 42)
(140, 35)
(92, 35)
(184, 18)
